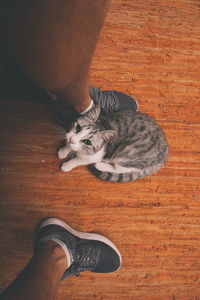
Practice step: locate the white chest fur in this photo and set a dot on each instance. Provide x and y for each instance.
(90, 159)
(82, 159)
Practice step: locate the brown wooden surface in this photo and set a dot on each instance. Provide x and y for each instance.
(150, 49)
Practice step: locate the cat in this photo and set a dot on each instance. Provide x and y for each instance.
(120, 146)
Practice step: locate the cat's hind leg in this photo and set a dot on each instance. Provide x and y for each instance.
(105, 167)
(113, 168)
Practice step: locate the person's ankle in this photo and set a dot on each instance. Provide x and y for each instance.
(80, 108)
(75, 102)
(53, 252)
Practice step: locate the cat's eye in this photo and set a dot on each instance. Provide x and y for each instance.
(77, 128)
(87, 142)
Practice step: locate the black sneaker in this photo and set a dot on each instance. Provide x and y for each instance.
(85, 251)
(109, 101)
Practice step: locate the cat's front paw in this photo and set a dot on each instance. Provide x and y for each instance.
(62, 153)
(66, 167)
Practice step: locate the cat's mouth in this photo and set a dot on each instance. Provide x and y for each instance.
(71, 155)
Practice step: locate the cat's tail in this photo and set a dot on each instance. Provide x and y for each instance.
(114, 177)
(123, 177)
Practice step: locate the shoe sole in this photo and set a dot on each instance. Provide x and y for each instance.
(82, 235)
(137, 104)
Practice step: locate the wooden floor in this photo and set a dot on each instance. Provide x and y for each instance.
(150, 49)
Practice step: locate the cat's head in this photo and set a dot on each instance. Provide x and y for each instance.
(85, 135)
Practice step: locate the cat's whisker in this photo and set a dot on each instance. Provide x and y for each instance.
(57, 134)
(58, 138)
(58, 131)
(57, 128)
(53, 125)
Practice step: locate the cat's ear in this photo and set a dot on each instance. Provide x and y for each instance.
(109, 135)
(93, 114)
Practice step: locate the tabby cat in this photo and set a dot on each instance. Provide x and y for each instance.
(119, 147)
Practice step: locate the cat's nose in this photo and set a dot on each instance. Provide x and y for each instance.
(72, 140)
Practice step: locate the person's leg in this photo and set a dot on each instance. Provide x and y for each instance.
(40, 279)
(53, 42)
(61, 251)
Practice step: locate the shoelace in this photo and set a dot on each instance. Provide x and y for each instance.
(84, 260)
(106, 99)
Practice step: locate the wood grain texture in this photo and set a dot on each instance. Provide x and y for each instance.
(151, 50)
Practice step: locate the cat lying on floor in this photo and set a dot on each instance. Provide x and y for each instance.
(119, 147)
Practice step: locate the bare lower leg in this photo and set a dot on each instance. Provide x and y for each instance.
(40, 279)
(76, 93)
(53, 42)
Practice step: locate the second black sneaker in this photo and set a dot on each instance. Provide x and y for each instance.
(84, 251)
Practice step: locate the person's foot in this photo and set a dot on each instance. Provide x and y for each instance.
(84, 251)
(109, 101)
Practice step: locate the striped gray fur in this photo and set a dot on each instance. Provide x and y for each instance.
(140, 144)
